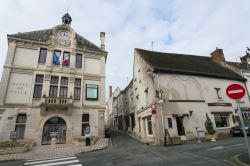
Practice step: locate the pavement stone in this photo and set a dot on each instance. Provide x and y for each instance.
(46, 151)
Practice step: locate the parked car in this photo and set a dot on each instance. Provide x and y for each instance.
(237, 130)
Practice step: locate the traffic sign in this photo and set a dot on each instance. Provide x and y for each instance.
(235, 91)
(153, 107)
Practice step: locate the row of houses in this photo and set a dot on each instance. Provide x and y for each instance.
(184, 88)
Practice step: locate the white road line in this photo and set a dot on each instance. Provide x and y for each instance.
(50, 160)
(217, 147)
(238, 144)
(58, 163)
(235, 91)
(75, 165)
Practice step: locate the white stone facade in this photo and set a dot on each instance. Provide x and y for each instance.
(18, 82)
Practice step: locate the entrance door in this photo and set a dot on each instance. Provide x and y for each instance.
(55, 124)
(180, 127)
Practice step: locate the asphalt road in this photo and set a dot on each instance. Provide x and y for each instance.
(128, 151)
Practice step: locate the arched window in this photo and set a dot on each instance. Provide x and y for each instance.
(85, 122)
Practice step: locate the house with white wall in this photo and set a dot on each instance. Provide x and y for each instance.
(184, 88)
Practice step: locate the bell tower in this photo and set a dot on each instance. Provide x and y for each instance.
(66, 19)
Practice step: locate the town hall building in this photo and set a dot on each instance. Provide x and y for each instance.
(53, 81)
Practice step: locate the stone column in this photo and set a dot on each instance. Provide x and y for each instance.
(6, 72)
(49, 58)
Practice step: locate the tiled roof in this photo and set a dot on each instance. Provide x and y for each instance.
(43, 36)
(187, 64)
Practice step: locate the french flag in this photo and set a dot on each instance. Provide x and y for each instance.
(66, 61)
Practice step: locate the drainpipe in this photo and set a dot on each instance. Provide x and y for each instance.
(162, 119)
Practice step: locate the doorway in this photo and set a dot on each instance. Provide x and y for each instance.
(180, 127)
(55, 124)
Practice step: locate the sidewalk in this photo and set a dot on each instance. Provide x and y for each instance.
(61, 150)
(240, 159)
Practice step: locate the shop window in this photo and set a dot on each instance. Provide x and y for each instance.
(221, 120)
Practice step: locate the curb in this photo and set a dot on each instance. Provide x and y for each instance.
(234, 161)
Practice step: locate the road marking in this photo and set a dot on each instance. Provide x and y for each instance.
(49, 160)
(237, 144)
(235, 91)
(54, 162)
(217, 147)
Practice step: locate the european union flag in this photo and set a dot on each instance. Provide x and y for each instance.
(56, 58)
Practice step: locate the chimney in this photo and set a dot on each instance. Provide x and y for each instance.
(102, 38)
(218, 55)
(110, 91)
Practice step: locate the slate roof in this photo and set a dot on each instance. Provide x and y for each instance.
(242, 66)
(43, 36)
(187, 64)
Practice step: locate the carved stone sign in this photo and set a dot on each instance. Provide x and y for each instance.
(19, 88)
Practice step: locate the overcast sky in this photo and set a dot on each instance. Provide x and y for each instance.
(178, 26)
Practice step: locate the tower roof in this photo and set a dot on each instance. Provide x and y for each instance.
(66, 19)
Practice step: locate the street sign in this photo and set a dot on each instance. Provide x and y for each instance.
(235, 91)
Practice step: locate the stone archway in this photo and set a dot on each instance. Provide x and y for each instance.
(54, 124)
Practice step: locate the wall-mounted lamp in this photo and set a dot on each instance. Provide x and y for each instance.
(191, 112)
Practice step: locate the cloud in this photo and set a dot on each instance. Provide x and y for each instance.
(180, 26)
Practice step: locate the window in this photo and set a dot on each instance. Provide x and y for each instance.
(85, 122)
(20, 125)
(221, 120)
(77, 90)
(149, 124)
(170, 124)
(53, 86)
(56, 57)
(91, 92)
(64, 87)
(78, 61)
(66, 59)
(42, 55)
(38, 86)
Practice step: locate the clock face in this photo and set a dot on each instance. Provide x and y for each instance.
(64, 34)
